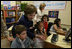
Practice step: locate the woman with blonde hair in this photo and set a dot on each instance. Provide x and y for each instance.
(40, 12)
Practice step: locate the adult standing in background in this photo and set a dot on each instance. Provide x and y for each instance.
(40, 13)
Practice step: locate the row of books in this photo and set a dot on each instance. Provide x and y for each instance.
(9, 13)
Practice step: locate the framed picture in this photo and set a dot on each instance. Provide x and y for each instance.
(53, 14)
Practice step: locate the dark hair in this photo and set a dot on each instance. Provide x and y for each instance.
(29, 9)
(37, 24)
(56, 21)
(19, 29)
(45, 16)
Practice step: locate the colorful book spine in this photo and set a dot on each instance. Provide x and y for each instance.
(5, 13)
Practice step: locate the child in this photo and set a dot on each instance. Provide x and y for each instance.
(21, 40)
(40, 29)
(40, 34)
(26, 20)
(56, 27)
(45, 20)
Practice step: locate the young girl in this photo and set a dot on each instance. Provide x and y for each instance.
(45, 20)
(40, 33)
(56, 28)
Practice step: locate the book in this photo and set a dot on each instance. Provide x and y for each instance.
(5, 8)
(5, 12)
(13, 19)
(9, 20)
(11, 13)
(9, 7)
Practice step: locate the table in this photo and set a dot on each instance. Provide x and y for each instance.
(60, 44)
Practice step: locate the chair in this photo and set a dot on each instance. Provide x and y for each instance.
(49, 26)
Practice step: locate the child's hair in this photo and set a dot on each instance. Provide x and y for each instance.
(42, 6)
(29, 9)
(56, 21)
(19, 29)
(45, 16)
(37, 24)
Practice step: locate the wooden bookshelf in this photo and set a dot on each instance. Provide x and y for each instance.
(11, 22)
(11, 17)
(11, 14)
(16, 16)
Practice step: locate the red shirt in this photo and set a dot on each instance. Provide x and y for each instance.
(45, 25)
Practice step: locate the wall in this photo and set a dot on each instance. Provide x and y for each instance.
(64, 15)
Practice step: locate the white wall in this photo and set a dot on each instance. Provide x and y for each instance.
(64, 15)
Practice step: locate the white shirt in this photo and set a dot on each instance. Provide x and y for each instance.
(39, 15)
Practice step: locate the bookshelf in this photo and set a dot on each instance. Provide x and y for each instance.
(6, 15)
(11, 13)
(10, 19)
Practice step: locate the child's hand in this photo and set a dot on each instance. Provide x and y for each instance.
(42, 37)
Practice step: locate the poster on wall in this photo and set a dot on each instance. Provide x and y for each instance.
(53, 14)
(51, 4)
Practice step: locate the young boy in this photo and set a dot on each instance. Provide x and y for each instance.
(21, 40)
(26, 20)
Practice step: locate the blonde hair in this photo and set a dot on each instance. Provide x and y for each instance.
(42, 5)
